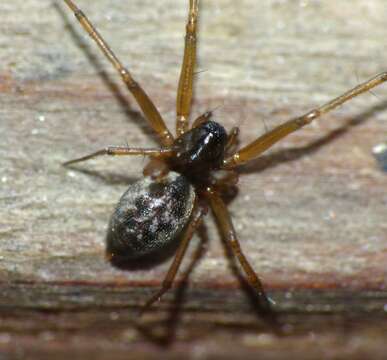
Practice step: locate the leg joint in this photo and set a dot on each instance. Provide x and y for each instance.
(109, 151)
(190, 37)
(166, 285)
(125, 74)
(79, 14)
(312, 115)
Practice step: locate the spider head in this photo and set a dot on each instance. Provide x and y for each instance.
(200, 149)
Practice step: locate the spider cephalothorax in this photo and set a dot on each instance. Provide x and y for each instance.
(200, 149)
(187, 174)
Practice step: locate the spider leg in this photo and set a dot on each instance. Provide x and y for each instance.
(267, 140)
(223, 219)
(223, 180)
(232, 138)
(184, 92)
(148, 108)
(122, 150)
(202, 119)
(196, 218)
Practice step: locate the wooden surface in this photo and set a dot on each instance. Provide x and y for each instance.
(311, 215)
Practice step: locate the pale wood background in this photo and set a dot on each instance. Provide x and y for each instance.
(313, 223)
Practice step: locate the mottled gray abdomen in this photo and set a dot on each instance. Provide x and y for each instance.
(150, 216)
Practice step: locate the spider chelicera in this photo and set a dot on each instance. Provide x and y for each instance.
(189, 172)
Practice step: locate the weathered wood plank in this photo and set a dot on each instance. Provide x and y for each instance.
(311, 216)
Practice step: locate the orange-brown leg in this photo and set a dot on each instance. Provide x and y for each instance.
(185, 91)
(149, 109)
(122, 150)
(223, 180)
(267, 140)
(196, 218)
(202, 119)
(224, 221)
(232, 140)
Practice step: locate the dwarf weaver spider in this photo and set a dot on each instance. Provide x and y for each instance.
(189, 172)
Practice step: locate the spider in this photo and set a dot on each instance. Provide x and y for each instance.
(190, 172)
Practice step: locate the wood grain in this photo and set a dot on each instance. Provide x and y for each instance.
(311, 215)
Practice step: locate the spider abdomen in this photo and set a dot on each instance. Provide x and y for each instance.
(150, 216)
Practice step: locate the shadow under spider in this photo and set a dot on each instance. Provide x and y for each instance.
(267, 315)
(285, 155)
(169, 326)
(144, 263)
(163, 333)
(108, 178)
